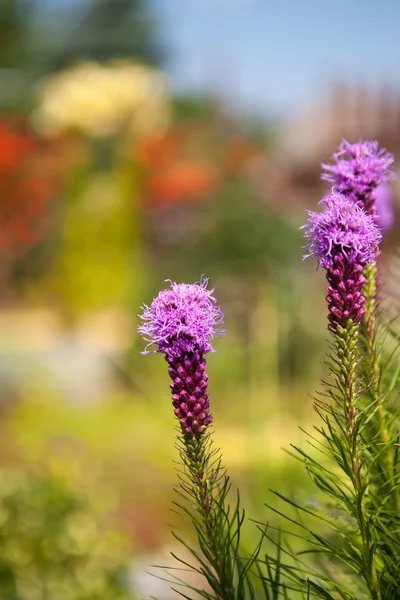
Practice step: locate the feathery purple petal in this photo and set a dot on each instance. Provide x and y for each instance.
(342, 227)
(384, 207)
(182, 318)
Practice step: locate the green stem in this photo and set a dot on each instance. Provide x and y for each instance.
(208, 493)
(346, 344)
(369, 323)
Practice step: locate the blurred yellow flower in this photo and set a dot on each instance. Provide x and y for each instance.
(102, 99)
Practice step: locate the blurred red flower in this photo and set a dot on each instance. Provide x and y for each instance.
(179, 183)
(240, 155)
(172, 175)
(29, 176)
(157, 150)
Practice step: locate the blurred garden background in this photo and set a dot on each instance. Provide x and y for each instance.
(149, 140)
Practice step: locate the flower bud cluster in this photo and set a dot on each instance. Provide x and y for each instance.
(189, 392)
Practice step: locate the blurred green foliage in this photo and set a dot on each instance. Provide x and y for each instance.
(244, 238)
(14, 23)
(129, 210)
(54, 541)
(97, 244)
(106, 29)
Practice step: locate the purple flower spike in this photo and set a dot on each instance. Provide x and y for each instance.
(358, 170)
(384, 207)
(343, 238)
(181, 322)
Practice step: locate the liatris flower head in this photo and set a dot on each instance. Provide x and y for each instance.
(358, 170)
(343, 227)
(181, 322)
(183, 318)
(343, 238)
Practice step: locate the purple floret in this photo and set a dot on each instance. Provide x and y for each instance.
(384, 207)
(357, 170)
(183, 318)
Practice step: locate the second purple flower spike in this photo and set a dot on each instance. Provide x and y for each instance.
(343, 238)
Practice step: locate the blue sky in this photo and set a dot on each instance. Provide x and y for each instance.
(274, 55)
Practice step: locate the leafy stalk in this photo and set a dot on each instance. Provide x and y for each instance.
(208, 489)
(349, 531)
(373, 380)
(204, 487)
(346, 379)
